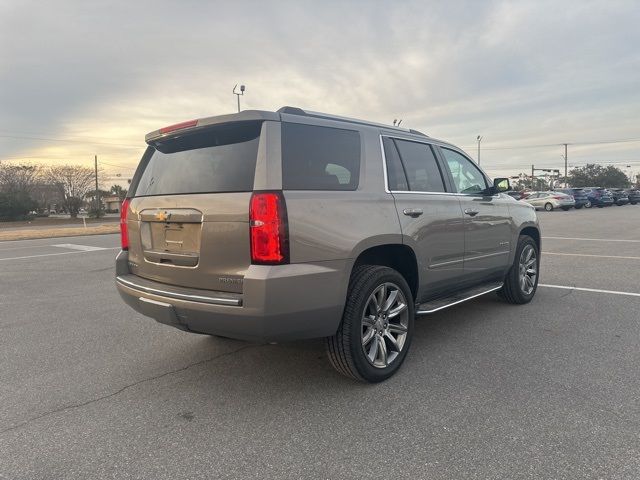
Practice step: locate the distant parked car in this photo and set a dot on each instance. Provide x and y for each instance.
(634, 195)
(550, 200)
(620, 197)
(598, 197)
(578, 195)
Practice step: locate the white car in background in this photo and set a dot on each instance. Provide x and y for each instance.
(550, 200)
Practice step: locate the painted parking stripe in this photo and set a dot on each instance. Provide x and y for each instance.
(55, 254)
(589, 255)
(74, 246)
(596, 290)
(592, 239)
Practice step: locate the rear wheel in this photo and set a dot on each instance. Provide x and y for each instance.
(377, 325)
(587, 205)
(521, 282)
(548, 207)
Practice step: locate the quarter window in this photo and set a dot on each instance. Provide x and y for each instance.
(319, 158)
(467, 178)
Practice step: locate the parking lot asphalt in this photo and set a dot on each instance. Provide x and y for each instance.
(91, 389)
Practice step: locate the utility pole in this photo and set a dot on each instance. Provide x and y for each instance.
(97, 193)
(566, 181)
(479, 140)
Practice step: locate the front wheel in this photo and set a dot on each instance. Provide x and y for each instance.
(521, 282)
(548, 207)
(377, 325)
(587, 205)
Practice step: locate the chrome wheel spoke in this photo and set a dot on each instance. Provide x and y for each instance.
(397, 310)
(368, 336)
(397, 328)
(369, 320)
(373, 349)
(382, 351)
(390, 300)
(394, 344)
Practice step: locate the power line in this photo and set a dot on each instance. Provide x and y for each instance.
(47, 139)
(549, 145)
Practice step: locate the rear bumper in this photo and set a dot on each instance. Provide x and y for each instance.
(286, 302)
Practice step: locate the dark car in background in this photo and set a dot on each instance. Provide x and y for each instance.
(578, 195)
(598, 197)
(620, 197)
(634, 195)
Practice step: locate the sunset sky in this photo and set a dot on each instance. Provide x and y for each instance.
(79, 78)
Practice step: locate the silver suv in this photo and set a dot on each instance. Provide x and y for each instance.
(270, 226)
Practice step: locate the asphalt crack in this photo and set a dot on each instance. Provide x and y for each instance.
(126, 387)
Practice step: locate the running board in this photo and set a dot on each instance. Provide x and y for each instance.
(456, 298)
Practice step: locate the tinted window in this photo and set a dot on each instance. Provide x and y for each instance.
(396, 178)
(218, 159)
(420, 166)
(319, 158)
(467, 178)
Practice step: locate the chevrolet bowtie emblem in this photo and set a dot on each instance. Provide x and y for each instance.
(162, 216)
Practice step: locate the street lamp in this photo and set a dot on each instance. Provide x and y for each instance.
(241, 92)
(479, 138)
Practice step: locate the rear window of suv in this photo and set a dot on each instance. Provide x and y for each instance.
(212, 160)
(319, 158)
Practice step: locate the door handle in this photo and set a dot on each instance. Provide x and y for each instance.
(470, 212)
(412, 212)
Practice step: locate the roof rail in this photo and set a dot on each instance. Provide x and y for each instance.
(307, 113)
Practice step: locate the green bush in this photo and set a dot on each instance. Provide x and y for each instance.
(16, 206)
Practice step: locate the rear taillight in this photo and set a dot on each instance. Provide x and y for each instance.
(268, 229)
(124, 231)
(557, 197)
(179, 126)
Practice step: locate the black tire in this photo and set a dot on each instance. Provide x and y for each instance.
(548, 207)
(578, 207)
(345, 348)
(511, 291)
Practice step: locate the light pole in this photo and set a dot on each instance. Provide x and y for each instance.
(242, 89)
(479, 140)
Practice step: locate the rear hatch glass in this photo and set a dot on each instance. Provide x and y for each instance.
(189, 221)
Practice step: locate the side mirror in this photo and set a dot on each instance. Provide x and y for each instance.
(501, 185)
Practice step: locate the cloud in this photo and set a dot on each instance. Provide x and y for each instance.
(519, 73)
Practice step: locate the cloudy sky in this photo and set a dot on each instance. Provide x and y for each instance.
(79, 78)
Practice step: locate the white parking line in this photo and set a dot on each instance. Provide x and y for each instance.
(75, 246)
(596, 290)
(54, 254)
(592, 239)
(589, 255)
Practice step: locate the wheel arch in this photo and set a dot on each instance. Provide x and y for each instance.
(398, 256)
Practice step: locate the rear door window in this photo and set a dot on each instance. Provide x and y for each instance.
(212, 160)
(420, 167)
(319, 158)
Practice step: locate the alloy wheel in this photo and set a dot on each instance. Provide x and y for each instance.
(385, 323)
(528, 269)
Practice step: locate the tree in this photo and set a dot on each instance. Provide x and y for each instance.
(16, 184)
(593, 175)
(76, 181)
(18, 178)
(118, 191)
